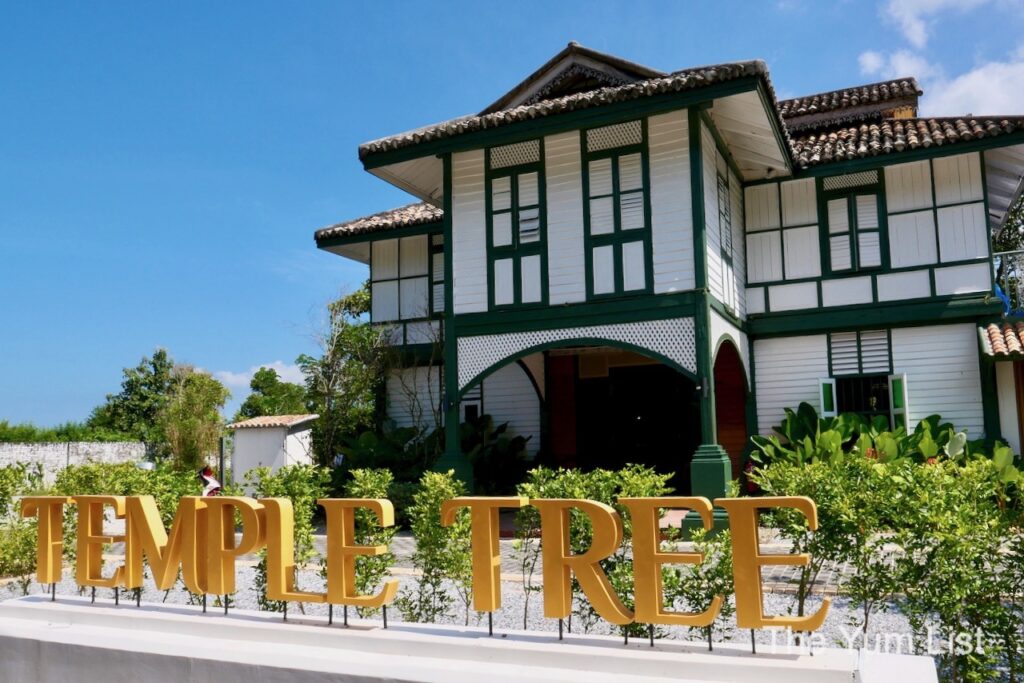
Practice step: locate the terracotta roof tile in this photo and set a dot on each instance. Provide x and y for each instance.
(268, 421)
(678, 81)
(1003, 339)
(856, 96)
(420, 213)
(895, 135)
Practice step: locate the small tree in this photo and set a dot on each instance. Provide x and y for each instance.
(145, 391)
(371, 570)
(191, 419)
(271, 396)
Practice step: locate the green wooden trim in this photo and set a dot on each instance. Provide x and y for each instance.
(700, 241)
(602, 312)
(989, 400)
(618, 237)
(386, 234)
(576, 341)
(616, 112)
(729, 314)
(516, 251)
(705, 370)
(876, 315)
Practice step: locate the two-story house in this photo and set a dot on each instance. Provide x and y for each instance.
(630, 265)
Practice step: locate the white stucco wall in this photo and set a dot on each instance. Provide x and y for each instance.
(272, 447)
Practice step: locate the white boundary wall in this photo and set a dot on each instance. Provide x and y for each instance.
(56, 456)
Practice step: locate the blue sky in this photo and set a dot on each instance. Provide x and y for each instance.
(163, 167)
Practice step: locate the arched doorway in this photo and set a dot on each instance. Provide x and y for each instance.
(608, 404)
(730, 404)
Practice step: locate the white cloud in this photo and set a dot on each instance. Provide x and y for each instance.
(994, 87)
(915, 17)
(240, 380)
(871, 62)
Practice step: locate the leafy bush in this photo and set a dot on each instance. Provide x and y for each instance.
(371, 571)
(303, 485)
(442, 553)
(692, 588)
(18, 551)
(498, 459)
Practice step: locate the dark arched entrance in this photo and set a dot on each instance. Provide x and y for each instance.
(730, 404)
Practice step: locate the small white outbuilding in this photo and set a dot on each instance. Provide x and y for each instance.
(273, 441)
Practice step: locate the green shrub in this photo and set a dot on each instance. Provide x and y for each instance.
(498, 459)
(692, 588)
(371, 571)
(442, 553)
(18, 551)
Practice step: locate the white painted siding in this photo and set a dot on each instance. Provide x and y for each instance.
(802, 252)
(799, 203)
(720, 327)
(671, 210)
(1009, 427)
(963, 279)
(912, 239)
(850, 290)
(709, 159)
(908, 186)
(384, 260)
(413, 396)
(941, 364)
(787, 371)
(957, 178)
(912, 285)
(962, 232)
(566, 265)
(764, 257)
(792, 297)
(509, 396)
(755, 300)
(762, 207)
(469, 243)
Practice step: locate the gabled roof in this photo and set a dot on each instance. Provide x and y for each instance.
(271, 421)
(419, 213)
(896, 135)
(857, 103)
(573, 69)
(678, 81)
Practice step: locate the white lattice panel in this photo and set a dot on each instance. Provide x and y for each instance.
(841, 182)
(672, 338)
(516, 154)
(618, 135)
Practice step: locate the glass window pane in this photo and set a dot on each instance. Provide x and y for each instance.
(530, 278)
(529, 225)
(630, 173)
(413, 256)
(384, 301)
(501, 193)
(867, 211)
(502, 229)
(602, 221)
(413, 298)
(631, 207)
(839, 248)
(868, 249)
(600, 177)
(838, 218)
(504, 289)
(633, 272)
(528, 189)
(604, 270)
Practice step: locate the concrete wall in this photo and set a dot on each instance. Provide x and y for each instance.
(273, 447)
(56, 456)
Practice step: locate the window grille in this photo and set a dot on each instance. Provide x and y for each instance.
(618, 135)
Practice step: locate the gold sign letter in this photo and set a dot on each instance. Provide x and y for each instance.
(342, 550)
(648, 559)
(49, 534)
(484, 534)
(747, 561)
(559, 560)
(91, 539)
(145, 534)
(222, 552)
(280, 535)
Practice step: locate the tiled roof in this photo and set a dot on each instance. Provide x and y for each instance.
(895, 135)
(1004, 340)
(679, 81)
(420, 213)
(267, 421)
(860, 95)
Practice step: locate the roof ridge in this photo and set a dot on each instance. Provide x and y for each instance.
(887, 81)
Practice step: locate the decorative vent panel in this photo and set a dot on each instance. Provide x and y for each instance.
(874, 351)
(516, 154)
(841, 182)
(845, 360)
(673, 339)
(619, 135)
(860, 353)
